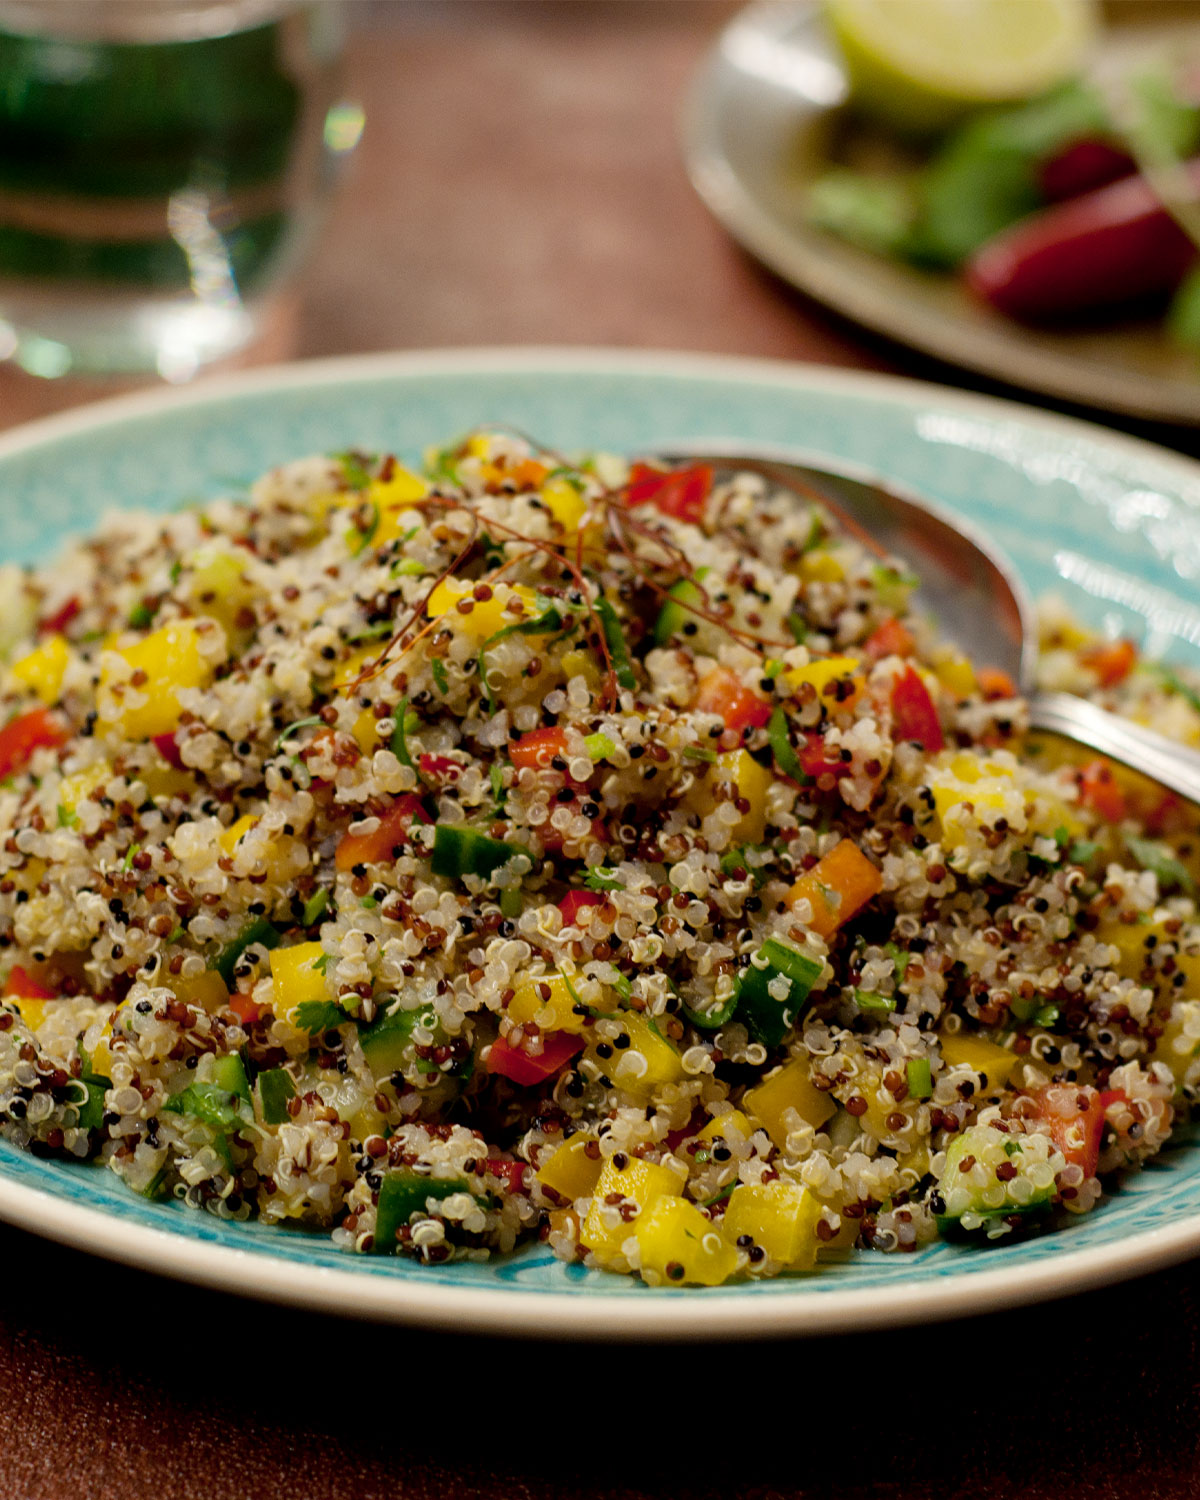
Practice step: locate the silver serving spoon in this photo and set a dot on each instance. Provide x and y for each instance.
(978, 600)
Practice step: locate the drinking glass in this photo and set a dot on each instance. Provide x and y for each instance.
(163, 168)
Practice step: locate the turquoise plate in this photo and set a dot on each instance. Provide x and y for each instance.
(1111, 524)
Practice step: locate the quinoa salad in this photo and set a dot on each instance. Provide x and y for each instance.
(524, 847)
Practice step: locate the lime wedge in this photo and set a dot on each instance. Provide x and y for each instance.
(921, 64)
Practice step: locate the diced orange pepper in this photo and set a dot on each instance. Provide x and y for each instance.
(995, 683)
(722, 693)
(1099, 791)
(837, 887)
(394, 828)
(1112, 661)
(528, 474)
(538, 748)
(890, 639)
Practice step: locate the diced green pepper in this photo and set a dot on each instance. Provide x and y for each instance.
(465, 851)
(402, 1194)
(259, 931)
(920, 1077)
(275, 1088)
(230, 1074)
(675, 613)
(387, 1041)
(766, 1018)
(216, 1106)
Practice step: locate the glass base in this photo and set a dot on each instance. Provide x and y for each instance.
(76, 335)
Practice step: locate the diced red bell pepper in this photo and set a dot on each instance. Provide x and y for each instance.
(574, 901)
(245, 1009)
(56, 623)
(1074, 1119)
(1098, 790)
(28, 732)
(439, 769)
(168, 747)
(914, 716)
(512, 1172)
(527, 1069)
(676, 492)
(722, 693)
(892, 638)
(1112, 661)
(395, 827)
(816, 760)
(22, 984)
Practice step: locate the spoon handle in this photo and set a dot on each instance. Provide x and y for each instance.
(1175, 766)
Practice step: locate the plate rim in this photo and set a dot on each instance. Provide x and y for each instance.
(986, 351)
(723, 1314)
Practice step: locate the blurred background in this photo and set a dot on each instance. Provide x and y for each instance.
(517, 172)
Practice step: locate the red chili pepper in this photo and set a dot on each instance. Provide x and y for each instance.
(574, 901)
(676, 492)
(513, 1172)
(28, 732)
(816, 761)
(1100, 250)
(1082, 166)
(558, 1047)
(890, 639)
(245, 1009)
(168, 747)
(1099, 791)
(395, 827)
(914, 716)
(721, 692)
(22, 984)
(1074, 1117)
(56, 623)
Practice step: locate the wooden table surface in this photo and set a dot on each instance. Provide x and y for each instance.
(519, 183)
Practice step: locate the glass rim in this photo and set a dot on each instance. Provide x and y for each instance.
(140, 21)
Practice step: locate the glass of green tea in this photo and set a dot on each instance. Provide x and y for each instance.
(164, 165)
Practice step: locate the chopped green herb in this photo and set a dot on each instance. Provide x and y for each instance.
(1175, 684)
(868, 1000)
(899, 960)
(599, 746)
(315, 1016)
(141, 616)
(375, 632)
(315, 907)
(798, 628)
(360, 537)
(602, 878)
(176, 571)
(404, 727)
(772, 668)
(175, 933)
(622, 985)
(699, 752)
(130, 855)
(614, 638)
(573, 478)
(295, 729)
(321, 963)
(782, 749)
(66, 818)
(353, 470)
(1172, 875)
(1082, 852)
(438, 667)
(1062, 835)
(920, 1077)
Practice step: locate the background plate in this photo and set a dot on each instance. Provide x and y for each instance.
(761, 123)
(1111, 523)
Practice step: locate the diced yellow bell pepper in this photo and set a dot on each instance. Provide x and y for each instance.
(479, 445)
(779, 1217)
(349, 671)
(366, 1122)
(821, 672)
(1177, 1046)
(171, 659)
(955, 673)
(735, 1119)
(571, 1172)
(1129, 939)
(820, 566)
(1189, 965)
(978, 1053)
(565, 503)
(485, 617)
(41, 670)
(948, 801)
(739, 769)
(679, 1243)
(581, 664)
(31, 1010)
(789, 1087)
(234, 834)
(76, 789)
(219, 587)
(101, 1059)
(206, 990)
(547, 1002)
(640, 1183)
(649, 1062)
(366, 732)
(402, 487)
(295, 978)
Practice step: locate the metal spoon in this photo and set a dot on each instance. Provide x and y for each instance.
(978, 600)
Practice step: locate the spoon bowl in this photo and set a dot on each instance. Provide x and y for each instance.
(969, 587)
